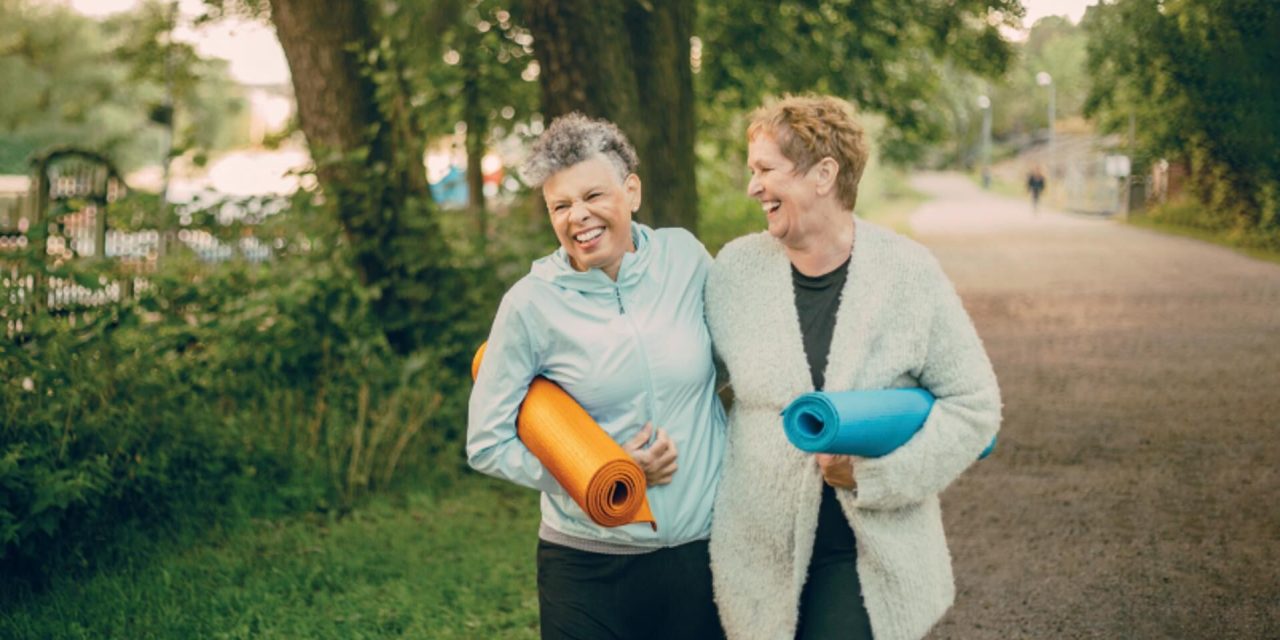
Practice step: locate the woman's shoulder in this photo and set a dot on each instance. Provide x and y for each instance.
(888, 248)
(528, 292)
(747, 250)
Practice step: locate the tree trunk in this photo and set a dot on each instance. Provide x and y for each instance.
(477, 126)
(627, 61)
(369, 160)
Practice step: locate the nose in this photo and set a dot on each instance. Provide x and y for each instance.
(578, 210)
(753, 187)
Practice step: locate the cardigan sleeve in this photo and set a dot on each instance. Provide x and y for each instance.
(964, 418)
(510, 364)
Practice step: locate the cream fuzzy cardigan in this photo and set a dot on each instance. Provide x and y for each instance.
(900, 324)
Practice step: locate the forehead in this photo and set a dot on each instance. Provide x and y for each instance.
(763, 147)
(595, 171)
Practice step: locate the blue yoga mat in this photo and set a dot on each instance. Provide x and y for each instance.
(869, 424)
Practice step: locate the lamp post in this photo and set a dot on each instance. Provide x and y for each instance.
(1045, 80)
(984, 103)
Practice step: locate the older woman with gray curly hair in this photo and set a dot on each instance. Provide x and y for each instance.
(615, 317)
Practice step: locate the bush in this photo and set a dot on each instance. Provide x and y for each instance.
(225, 389)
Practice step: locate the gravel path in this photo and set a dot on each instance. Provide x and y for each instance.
(1135, 492)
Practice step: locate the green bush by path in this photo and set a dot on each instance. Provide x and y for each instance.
(456, 561)
(224, 389)
(1189, 218)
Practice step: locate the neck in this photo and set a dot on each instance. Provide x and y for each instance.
(825, 249)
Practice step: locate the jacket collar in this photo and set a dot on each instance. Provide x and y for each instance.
(557, 269)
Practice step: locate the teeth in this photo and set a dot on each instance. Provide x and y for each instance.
(588, 236)
(770, 207)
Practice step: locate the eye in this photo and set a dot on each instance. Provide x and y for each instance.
(593, 195)
(560, 208)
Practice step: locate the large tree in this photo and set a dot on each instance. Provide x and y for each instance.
(627, 61)
(368, 146)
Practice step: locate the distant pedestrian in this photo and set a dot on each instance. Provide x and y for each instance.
(1035, 184)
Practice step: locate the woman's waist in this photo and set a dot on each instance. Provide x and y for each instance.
(682, 511)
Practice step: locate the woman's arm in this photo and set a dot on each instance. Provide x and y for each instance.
(510, 364)
(965, 415)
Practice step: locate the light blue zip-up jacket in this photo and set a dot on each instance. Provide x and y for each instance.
(632, 351)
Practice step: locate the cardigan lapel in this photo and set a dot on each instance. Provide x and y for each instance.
(793, 365)
(851, 337)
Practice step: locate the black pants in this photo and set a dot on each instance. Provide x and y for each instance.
(662, 594)
(831, 604)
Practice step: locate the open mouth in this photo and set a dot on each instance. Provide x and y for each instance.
(770, 207)
(584, 237)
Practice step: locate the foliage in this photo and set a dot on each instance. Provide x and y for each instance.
(237, 386)
(884, 55)
(1020, 105)
(202, 104)
(70, 79)
(482, 56)
(1190, 217)
(1198, 80)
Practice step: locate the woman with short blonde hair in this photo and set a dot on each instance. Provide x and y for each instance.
(834, 546)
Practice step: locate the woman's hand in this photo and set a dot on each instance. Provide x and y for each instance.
(836, 470)
(658, 460)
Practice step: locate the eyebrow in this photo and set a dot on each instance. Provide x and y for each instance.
(589, 189)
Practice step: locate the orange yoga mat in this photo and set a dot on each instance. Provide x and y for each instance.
(592, 468)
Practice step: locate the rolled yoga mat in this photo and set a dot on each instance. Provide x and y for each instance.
(588, 464)
(861, 423)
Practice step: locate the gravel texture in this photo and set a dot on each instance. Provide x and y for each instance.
(1135, 491)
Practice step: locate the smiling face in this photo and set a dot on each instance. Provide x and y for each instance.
(786, 196)
(590, 211)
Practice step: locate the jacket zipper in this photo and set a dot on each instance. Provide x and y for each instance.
(648, 381)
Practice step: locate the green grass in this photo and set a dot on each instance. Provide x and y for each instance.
(894, 205)
(432, 564)
(1216, 237)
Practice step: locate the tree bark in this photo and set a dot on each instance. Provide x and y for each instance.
(627, 61)
(368, 157)
(477, 127)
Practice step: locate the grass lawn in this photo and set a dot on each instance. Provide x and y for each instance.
(430, 565)
(1217, 238)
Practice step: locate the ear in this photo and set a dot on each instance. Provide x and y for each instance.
(634, 191)
(825, 172)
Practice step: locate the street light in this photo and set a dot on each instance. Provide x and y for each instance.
(1045, 80)
(984, 103)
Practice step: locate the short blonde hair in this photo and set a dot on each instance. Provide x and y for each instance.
(810, 128)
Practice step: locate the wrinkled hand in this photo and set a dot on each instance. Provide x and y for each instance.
(658, 460)
(837, 471)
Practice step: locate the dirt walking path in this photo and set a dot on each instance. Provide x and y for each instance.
(1135, 492)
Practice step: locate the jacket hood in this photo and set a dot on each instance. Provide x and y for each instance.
(557, 269)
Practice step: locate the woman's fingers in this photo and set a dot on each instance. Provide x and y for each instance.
(837, 471)
(662, 463)
(637, 442)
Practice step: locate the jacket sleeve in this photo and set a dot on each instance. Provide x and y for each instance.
(510, 364)
(964, 418)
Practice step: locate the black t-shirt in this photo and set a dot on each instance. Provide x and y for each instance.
(817, 300)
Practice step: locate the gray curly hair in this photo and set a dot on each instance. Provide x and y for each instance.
(575, 138)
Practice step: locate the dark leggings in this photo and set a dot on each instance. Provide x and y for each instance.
(831, 604)
(660, 594)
